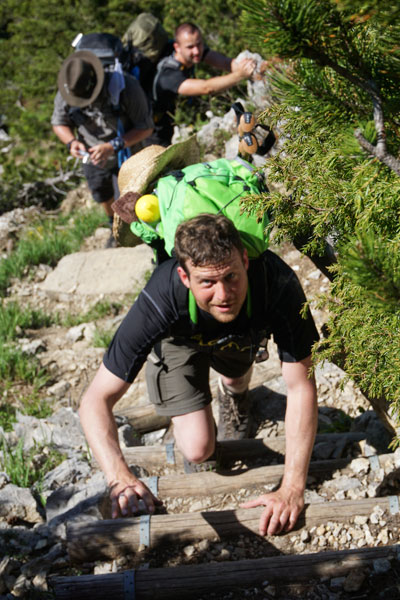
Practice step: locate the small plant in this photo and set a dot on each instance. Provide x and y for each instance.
(102, 337)
(28, 468)
(17, 365)
(7, 416)
(101, 309)
(34, 406)
(14, 317)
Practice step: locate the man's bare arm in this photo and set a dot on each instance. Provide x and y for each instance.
(214, 85)
(283, 507)
(101, 433)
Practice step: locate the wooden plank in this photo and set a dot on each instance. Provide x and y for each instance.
(155, 456)
(196, 580)
(209, 483)
(144, 418)
(111, 538)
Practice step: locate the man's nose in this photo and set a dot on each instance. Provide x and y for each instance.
(222, 291)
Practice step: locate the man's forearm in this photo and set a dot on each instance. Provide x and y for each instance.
(99, 425)
(198, 87)
(300, 428)
(64, 133)
(102, 436)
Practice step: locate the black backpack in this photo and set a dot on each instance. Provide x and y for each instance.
(106, 46)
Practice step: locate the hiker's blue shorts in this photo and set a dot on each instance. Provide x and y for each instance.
(103, 183)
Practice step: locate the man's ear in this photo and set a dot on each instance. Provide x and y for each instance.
(245, 259)
(184, 277)
(176, 46)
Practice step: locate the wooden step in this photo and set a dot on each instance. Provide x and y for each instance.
(111, 538)
(159, 456)
(197, 581)
(144, 418)
(209, 483)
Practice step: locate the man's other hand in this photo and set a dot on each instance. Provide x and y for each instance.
(282, 509)
(100, 153)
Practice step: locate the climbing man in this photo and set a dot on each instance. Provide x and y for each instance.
(97, 122)
(176, 77)
(208, 307)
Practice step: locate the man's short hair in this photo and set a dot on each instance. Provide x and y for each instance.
(206, 240)
(186, 27)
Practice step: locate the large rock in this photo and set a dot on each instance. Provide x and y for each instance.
(18, 504)
(108, 271)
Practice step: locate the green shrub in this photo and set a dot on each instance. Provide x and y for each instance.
(28, 468)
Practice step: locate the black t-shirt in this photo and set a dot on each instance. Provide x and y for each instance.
(161, 310)
(170, 74)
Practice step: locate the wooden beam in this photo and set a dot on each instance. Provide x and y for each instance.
(144, 418)
(111, 538)
(180, 583)
(209, 484)
(156, 456)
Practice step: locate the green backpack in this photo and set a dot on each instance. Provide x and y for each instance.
(211, 187)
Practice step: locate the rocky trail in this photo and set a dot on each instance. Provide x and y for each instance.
(201, 544)
(59, 541)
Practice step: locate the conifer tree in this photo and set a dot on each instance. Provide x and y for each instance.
(338, 104)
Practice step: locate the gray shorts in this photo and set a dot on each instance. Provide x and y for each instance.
(178, 382)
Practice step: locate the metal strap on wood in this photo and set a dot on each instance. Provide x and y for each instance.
(152, 484)
(170, 453)
(393, 505)
(129, 585)
(374, 462)
(144, 531)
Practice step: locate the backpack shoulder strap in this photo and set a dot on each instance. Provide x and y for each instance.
(169, 62)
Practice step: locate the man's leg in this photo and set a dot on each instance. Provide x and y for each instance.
(178, 385)
(103, 184)
(195, 434)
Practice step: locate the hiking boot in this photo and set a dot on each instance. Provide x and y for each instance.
(111, 242)
(234, 422)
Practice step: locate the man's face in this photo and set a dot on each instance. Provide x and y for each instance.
(189, 48)
(219, 289)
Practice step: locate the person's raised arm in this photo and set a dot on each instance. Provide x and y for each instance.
(283, 507)
(99, 426)
(214, 85)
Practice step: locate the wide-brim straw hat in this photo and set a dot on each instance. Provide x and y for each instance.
(139, 174)
(80, 79)
(140, 171)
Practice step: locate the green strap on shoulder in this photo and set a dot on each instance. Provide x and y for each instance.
(193, 313)
(194, 317)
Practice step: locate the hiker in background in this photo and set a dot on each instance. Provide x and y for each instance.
(145, 43)
(99, 114)
(176, 77)
(237, 303)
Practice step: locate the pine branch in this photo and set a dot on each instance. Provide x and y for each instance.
(379, 152)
